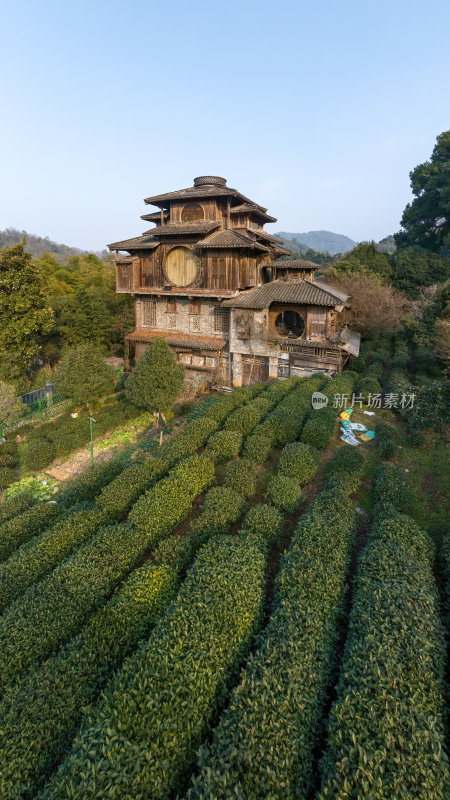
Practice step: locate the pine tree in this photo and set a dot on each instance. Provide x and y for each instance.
(157, 379)
(84, 375)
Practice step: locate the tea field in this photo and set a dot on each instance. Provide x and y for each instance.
(254, 610)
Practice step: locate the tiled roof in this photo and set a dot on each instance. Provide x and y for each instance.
(266, 236)
(230, 238)
(205, 186)
(155, 217)
(144, 242)
(250, 207)
(184, 228)
(293, 263)
(179, 339)
(299, 291)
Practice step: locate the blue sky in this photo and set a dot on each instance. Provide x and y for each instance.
(316, 110)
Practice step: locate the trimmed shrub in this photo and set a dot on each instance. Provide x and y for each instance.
(368, 385)
(31, 562)
(170, 500)
(400, 360)
(119, 495)
(388, 721)
(39, 453)
(23, 527)
(257, 448)
(358, 364)
(390, 487)
(264, 742)
(177, 551)
(8, 476)
(7, 460)
(88, 485)
(345, 470)
(154, 714)
(319, 427)
(222, 507)
(386, 439)
(192, 437)
(224, 445)
(241, 475)
(52, 611)
(284, 493)
(375, 370)
(298, 461)
(41, 712)
(381, 355)
(262, 526)
(15, 506)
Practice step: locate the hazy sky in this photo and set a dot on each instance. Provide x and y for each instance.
(317, 110)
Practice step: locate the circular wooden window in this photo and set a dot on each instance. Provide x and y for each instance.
(192, 211)
(181, 266)
(289, 323)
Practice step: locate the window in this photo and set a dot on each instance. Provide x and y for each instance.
(172, 322)
(171, 306)
(194, 322)
(221, 320)
(148, 313)
(181, 266)
(191, 212)
(195, 307)
(289, 323)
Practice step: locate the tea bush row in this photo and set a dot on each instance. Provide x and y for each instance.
(386, 729)
(264, 742)
(390, 487)
(224, 445)
(319, 427)
(52, 611)
(144, 734)
(14, 506)
(386, 439)
(284, 493)
(262, 526)
(31, 562)
(23, 527)
(346, 469)
(241, 475)
(9, 462)
(88, 485)
(41, 711)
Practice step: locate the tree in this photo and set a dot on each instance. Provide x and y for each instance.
(11, 407)
(426, 221)
(414, 267)
(84, 375)
(24, 315)
(157, 379)
(374, 307)
(363, 259)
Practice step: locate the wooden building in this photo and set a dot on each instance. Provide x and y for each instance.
(200, 270)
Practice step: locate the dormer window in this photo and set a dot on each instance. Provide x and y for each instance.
(191, 212)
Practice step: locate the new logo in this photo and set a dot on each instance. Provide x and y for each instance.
(319, 400)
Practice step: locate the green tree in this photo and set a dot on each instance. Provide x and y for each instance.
(84, 375)
(364, 259)
(24, 314)
(11, 407)
(157, 379)
(414, 267)
(426, 221)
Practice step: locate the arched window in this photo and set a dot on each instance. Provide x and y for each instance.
(289, 323)
(191, 212)
(181, 266)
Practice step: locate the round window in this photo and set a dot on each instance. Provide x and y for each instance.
(181, 266)
(289, 323)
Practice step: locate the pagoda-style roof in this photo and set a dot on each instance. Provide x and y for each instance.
(247, 208)
(144, 242)
(204, 186)
(155, 216)
(271, 240)
(184, 228)
(303, 292)
(178, 339)
(293, 263)
(231, 239)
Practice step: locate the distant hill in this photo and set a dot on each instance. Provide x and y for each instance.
(323, 241)
(38, 245)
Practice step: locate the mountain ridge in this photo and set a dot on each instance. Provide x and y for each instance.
(321, 240)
